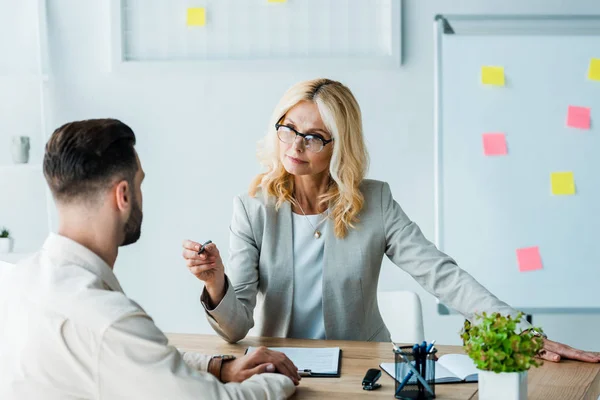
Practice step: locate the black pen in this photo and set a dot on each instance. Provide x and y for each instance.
(203, 246)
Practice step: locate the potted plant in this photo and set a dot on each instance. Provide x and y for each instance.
(502, 355)
(5, 241)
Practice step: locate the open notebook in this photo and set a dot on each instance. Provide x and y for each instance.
(321, 361)
(450, 368)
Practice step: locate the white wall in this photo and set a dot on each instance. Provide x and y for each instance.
(197, 134)
(21, 188)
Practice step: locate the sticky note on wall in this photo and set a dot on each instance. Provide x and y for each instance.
(563, 183)
(529, 259)
(196, 16)
(491, 75)
(277, 1)
(594, 70)
(579, 117)
(494, 144)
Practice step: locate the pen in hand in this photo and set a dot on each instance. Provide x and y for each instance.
(203, 247)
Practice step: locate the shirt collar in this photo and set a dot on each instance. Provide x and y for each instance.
(67, 249)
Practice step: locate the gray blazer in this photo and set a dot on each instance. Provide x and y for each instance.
(260, 270)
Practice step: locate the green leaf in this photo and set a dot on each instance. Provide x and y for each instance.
(492, 342)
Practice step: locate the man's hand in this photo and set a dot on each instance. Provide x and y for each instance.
(259, 361)
(554, 351)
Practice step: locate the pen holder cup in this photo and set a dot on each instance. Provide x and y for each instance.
(407, 364)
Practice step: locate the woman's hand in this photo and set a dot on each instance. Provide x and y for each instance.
(554, 351)
(207, 267)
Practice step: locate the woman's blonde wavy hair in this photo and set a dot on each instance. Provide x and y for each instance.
(349, 162)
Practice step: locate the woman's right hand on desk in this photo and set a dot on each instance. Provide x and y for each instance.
(207, 267)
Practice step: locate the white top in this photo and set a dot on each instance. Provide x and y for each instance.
(67, 331)
(307, 309)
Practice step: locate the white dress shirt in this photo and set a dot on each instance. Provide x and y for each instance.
(307, 304)
(67, 331)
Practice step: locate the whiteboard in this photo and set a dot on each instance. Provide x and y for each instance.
(366, 32)
(487, 207)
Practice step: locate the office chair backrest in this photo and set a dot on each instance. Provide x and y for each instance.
(401, 311)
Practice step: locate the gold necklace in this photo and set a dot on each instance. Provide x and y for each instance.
(317, 233)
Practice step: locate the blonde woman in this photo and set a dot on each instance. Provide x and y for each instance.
(308, 239)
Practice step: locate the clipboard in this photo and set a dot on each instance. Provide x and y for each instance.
(303, 362)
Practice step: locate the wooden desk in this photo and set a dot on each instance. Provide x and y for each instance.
(567, 380)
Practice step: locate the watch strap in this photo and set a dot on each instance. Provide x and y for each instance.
(215, 364)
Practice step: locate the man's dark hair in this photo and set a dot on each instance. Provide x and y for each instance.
(84, 157)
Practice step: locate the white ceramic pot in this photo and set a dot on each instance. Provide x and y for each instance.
(6, 245)
(502, 386)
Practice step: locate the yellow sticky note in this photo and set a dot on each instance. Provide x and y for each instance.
(492, 75)
(196, 16)
(594, 71)
(563, 183)
(277, 1)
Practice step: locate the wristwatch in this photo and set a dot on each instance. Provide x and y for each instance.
(216, 363)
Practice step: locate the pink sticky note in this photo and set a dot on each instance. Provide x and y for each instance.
(578, 117)
(529, 259)
(494, 144)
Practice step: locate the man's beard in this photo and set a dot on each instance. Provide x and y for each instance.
(133, 227)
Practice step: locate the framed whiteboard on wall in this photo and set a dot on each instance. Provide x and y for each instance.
(349, 33)
(489, 208)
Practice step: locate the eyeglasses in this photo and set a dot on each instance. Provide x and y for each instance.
(312, 141)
